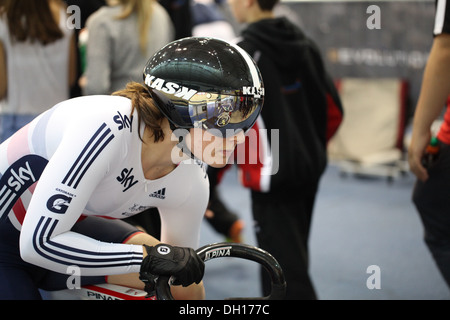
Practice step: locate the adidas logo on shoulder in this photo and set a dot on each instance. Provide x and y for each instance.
(160, 194)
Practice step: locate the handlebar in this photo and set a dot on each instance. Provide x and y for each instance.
(238, 250)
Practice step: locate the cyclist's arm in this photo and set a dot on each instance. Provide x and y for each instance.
(192, 292)
(60, 196)
(180, 226)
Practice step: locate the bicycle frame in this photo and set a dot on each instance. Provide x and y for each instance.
(108, 291)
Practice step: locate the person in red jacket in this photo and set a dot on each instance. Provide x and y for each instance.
(302, 111)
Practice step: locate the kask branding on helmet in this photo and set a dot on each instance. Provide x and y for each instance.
(207, 83)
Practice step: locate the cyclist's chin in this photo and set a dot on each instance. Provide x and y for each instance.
(217, 165)
(216, 162)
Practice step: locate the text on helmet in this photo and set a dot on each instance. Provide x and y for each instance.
(257, 92)
(186, 93)
(169, 87)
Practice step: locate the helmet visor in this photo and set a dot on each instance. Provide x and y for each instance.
(225, 112)
(228, 114)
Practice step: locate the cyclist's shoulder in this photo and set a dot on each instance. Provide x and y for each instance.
(81, 119)
(87, 110)
(106, 102)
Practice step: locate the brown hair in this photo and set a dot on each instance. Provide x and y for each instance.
(143, 103)
(143, 9)
(33, 20)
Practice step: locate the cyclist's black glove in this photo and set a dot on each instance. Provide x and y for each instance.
(182, 263)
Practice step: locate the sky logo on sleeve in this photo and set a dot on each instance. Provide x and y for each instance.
(123, 121)
(21, 175)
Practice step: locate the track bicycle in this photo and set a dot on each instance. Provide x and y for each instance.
(208, 252)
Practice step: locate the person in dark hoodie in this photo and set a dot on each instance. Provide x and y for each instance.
(302, 110)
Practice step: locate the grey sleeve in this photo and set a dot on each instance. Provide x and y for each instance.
(98, 59)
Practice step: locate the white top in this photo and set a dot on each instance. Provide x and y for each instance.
(114, 56)
(83, 157)
(38, 76)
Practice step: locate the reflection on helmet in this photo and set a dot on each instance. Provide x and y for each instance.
(206, 83)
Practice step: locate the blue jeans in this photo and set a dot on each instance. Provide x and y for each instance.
(10, 123)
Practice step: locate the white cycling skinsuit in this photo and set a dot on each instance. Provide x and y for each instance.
(83, 158)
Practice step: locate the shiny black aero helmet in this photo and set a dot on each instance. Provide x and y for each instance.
(202, 82)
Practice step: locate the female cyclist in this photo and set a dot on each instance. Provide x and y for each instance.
(67, 177)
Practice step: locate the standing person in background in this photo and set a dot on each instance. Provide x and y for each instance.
(87, 7)
(121, 37)
(181, 15)
(37, 60)
(302, 105)
(431, 192)
(209, 21)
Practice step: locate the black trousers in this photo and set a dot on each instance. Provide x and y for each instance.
(432, 201)
(282, 228)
